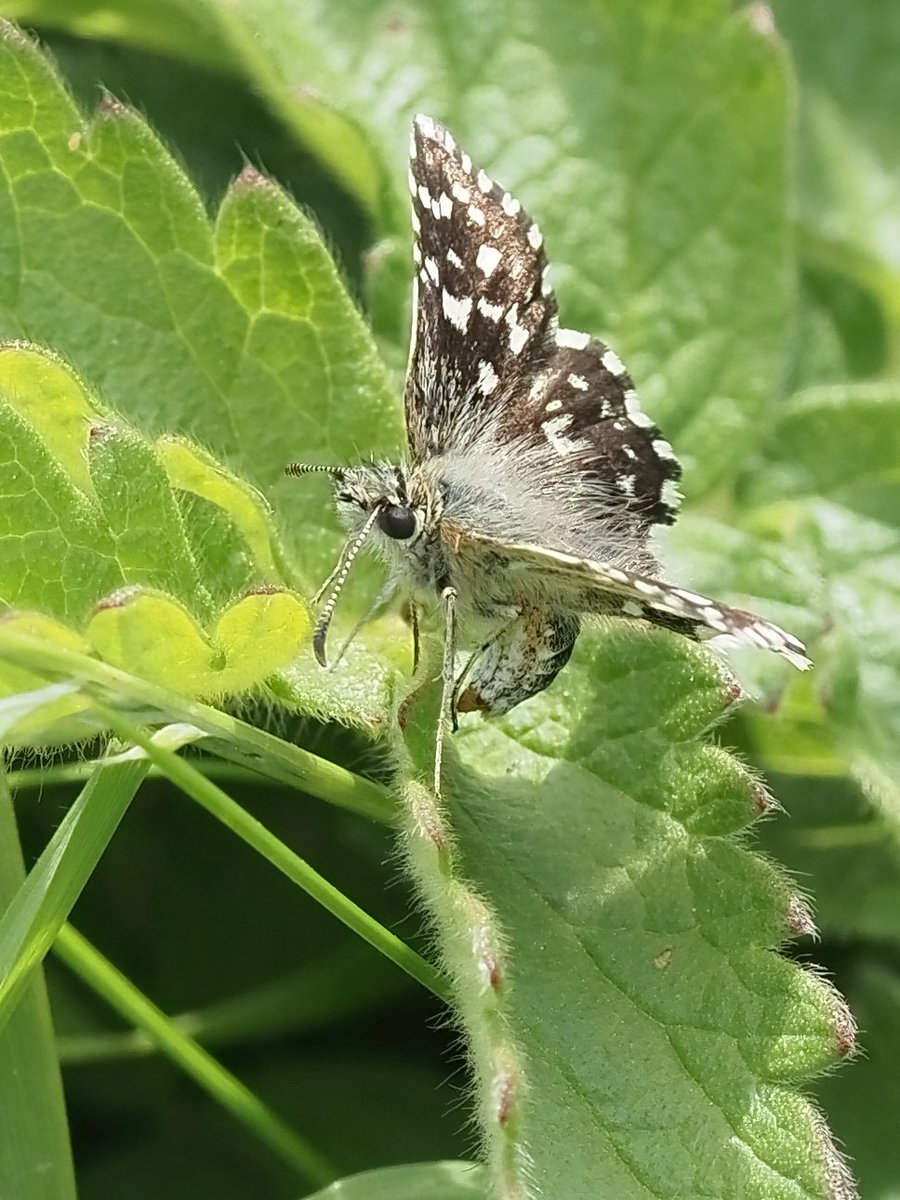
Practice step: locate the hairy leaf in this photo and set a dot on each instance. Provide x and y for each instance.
(615, 950)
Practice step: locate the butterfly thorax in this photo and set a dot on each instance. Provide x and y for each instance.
(422, 514)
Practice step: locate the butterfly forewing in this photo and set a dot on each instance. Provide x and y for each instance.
(585, 585)
(483, 310)
(489, 362)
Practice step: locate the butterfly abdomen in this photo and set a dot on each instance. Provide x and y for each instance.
(521, 660)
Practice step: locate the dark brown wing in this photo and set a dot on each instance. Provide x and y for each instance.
(483, 312)
(488, 360)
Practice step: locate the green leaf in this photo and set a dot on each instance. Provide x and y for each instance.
(239, 331)
(849, 160)
(863, 1102)
(175, 26)
(846, 853)
(90, 506)
(617, 110)
(419, 1181)
(831, 490)
(633, 1029)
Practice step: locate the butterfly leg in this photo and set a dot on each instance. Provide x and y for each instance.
(447, 713)
(523, 658)
(385, 596)
(414, 626)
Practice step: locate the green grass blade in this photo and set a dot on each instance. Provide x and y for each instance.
(418, 1181)
(226, 735)
(35, 1156)
(254, 833)
(44, 901)
(121, 994)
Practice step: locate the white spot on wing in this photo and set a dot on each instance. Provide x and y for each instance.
(693, 598)
(626, 484)
(445, 204)
(431, 268)
(411, 180)
(632, 608)
(572, 338)
(476, 215)
(663, 448)
(553, 406)
(426, 125)
(510, 205)
(628, 452)
(424, 196)
(518, 334)
(641, 419)
(456, 311)
(487, 378)
(484, 181)
(671, 493)
(633, 408)
(460, 193)
(535, 237)
(554, 431)
(466, 163)
(493, 312)
(578, 382)
(453, 257)
(487, 259)
(613, 363)
(416, 223)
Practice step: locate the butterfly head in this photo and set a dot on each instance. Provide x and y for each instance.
(379, 495)
(388, 507)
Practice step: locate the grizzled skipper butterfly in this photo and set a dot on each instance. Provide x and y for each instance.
(533, 479)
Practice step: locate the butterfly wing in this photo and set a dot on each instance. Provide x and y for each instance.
(491, 370)
(587, 586)
(482, 307)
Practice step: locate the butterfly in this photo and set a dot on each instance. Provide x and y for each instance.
(533, 480)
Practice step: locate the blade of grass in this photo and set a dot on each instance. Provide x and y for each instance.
(35, 1155)
(255, 834)
(44, 901)
(345, 981)
(121, 994)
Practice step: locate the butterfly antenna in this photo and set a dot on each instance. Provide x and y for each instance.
(339, 578)
(311, 469)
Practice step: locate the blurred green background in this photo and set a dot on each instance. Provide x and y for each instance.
(334, 1038)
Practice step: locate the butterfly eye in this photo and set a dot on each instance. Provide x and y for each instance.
(397, 522)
